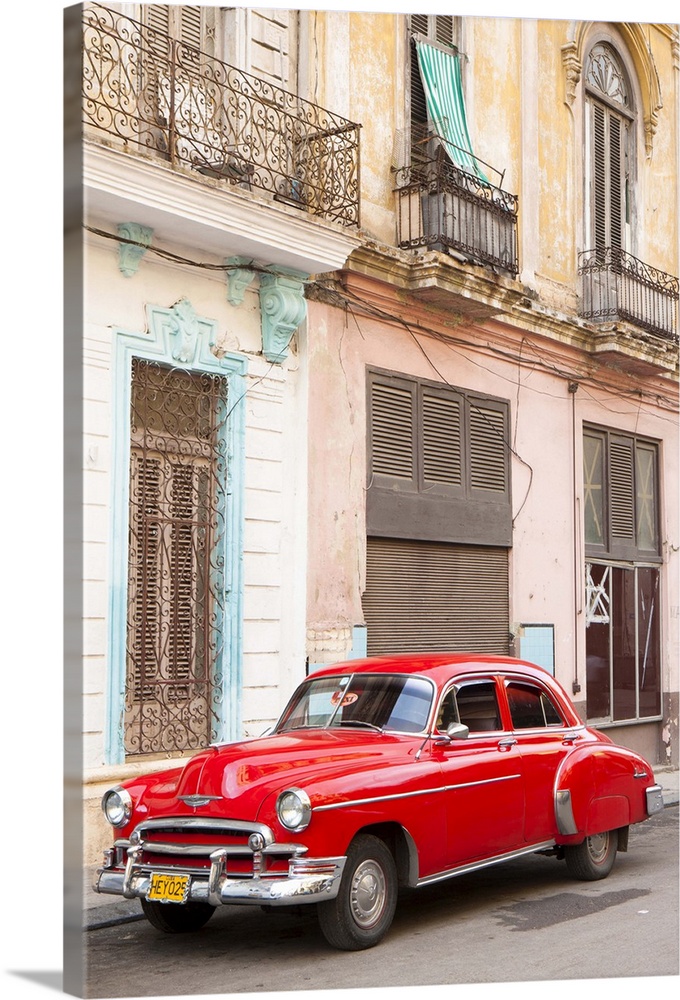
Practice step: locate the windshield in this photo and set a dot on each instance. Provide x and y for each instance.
(369, 701)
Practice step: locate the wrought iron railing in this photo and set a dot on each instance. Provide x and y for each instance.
(155, 95)
(441, 206)
(617, 286)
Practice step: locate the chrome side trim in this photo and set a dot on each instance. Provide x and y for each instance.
(473, 866)
(564, 813)
(410, 795)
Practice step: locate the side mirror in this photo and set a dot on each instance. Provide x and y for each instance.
(457, 731)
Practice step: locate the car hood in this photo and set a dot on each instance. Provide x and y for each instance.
(238, 776)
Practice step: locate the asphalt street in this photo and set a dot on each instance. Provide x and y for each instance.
(522, 921)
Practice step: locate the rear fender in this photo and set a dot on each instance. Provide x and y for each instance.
(599, 788)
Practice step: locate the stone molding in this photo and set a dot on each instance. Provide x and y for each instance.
(573, 51)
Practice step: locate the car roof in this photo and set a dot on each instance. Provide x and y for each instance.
(438, 665)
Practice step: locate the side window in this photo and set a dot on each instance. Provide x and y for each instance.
(448, 711)
(531, 708)
(478, 707)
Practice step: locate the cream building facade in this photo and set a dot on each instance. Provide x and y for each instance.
(380, 352)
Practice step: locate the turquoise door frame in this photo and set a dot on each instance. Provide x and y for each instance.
(176, 336)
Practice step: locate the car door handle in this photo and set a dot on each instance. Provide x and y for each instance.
(569, 738)
(504, 745)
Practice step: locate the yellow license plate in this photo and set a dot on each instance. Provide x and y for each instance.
(168, 888)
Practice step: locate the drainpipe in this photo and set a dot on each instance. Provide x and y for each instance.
(578, 576)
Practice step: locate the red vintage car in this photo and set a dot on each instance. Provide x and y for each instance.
(387, 771)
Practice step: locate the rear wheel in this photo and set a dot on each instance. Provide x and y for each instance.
(594, 858)
(361, 914)
(177, 918)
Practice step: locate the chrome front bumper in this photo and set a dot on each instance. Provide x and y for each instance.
(309, 880)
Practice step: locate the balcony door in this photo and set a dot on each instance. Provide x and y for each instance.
(609, 139)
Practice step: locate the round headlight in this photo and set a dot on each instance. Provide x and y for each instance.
(294, 809)
(117, 806)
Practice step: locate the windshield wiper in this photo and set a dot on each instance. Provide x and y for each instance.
(360, 722)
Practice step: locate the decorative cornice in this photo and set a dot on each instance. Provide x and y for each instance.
(439, 293)
(284, 307)
(192, 210)
(130, 254)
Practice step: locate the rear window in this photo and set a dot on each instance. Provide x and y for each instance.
(531, 708)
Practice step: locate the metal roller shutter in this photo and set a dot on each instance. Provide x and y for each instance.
(435, 596)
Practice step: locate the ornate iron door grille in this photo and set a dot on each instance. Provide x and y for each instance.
(176, 585)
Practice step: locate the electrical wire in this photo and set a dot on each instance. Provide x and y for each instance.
(546, 360)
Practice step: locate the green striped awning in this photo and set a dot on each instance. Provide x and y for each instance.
(443, 86)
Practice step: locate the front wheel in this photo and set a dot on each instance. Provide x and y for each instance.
(594, 858)
(361, 913)
(177, 918)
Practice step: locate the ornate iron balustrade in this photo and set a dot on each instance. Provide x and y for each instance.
(441, 206)
(617, 286)
(155, 95)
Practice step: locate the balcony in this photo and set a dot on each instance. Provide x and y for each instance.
(152, 96)
(616, 287)
(442, 207)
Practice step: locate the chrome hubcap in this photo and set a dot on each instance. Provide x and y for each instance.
(368, 893)
(598, 847)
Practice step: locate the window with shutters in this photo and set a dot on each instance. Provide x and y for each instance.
(615, 284)
(440, 29)
(622, 606)
(190, 24)
(609, 154)
(175, 578)
(438, 461)
(620, 495)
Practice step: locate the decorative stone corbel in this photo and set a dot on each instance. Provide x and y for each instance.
(130, 254)
(651, 121)
(185, 326)
(284, 307)
(572, 69)
(239, 277)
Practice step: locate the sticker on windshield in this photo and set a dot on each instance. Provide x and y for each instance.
(349, 698)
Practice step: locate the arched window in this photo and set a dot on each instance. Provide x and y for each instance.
(609, 137)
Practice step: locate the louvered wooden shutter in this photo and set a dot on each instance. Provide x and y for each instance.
(145, 571)
(432, 596)
(438, 28)
(157, 16)
(190, 26)
(183, 22)
(608, 140)
(419, 23)
(488, 448)
(621, 490)
(392, 426)
(443, 29)
(441, 439)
